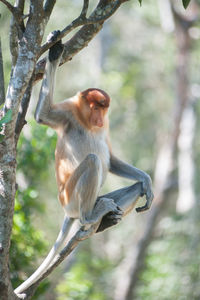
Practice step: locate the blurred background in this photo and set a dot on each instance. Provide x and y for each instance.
(148, 59)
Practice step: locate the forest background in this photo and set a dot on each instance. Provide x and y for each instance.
(147, 59)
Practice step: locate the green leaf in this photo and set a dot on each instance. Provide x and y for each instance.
(185, 3)
(140, 1)
(1, 137)
(7, 118)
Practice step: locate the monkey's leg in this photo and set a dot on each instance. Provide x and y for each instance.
(82, 191)
(126, 198)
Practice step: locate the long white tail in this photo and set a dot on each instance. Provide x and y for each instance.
(67, 223)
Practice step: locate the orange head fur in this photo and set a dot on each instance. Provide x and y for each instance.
(96, 96)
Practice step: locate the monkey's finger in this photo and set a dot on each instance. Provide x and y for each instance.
(115, 221)
(117, 212)
(114, 218)
(52, 37)
(114, 214)
(147, 204)
(56, 50)
(142, 208)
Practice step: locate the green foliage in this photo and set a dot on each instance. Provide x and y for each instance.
(185, 3)
(172, 264)
(27, 245)
(86, 279)
(6, 119)
(35, 152)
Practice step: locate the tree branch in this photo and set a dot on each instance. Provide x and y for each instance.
(20, 6)
(48, 7)
(2, 88)
(18, 16)
(85, 8)
(81, 39)
(80, 235)
(13, 41)
(23, 110)
(16, 29)
(9, 6)
(99, 15)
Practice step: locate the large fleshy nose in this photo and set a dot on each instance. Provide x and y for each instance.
(100, 122)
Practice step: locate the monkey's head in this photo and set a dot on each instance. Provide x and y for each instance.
(96, 104)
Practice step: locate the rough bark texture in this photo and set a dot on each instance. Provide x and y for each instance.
(22, 72)
(2, 89)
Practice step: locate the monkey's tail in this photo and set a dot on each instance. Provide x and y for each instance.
(67, 223)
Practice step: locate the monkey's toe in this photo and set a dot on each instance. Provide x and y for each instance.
(110, 219)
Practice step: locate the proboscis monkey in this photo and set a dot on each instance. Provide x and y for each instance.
(83, 158)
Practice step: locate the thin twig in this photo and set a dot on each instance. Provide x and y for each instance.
(48, 7)
(9, 6)
(85, 34)
(20, 7)
(97, 16)
(18, 16)
(85, 8)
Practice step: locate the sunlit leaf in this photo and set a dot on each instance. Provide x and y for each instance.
(7, 118)
(185, 3)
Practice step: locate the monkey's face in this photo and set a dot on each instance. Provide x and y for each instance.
(96, 104)
(97, 114)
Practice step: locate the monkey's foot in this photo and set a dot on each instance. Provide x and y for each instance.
(109, 220)
(57, 49)
(104, 206)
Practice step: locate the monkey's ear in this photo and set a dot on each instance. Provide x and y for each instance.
(57, 49)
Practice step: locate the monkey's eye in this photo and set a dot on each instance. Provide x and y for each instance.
(96, 108)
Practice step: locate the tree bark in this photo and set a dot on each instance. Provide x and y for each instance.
(2, 88)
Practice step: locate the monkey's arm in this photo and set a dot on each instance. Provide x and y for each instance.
(46, 112)
(123, 169)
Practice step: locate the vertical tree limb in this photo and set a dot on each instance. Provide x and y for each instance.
(2, 87)
(23, 110)
(16, 30)
(20, 77)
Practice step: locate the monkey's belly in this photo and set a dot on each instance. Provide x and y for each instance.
(74, 158)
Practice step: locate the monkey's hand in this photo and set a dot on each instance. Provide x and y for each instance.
(56, 50)
(146, 190)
